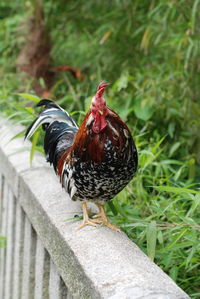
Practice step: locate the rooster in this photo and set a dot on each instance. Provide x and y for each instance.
(94, 162)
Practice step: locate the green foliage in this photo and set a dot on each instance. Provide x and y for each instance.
(149, 52)
(160, 212)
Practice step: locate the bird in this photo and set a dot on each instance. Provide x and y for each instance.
(94, 161)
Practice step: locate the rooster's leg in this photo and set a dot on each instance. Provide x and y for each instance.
(102, 219)
(86, 219)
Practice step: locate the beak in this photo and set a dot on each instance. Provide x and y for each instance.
(100, 111)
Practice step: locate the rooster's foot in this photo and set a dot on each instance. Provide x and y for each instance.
(86, 219)
(87, 222)
(102, 219)
(105, 222)
(99, 219)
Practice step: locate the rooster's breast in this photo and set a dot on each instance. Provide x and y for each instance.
(101, 181)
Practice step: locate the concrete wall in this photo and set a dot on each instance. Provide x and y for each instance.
(46, 257)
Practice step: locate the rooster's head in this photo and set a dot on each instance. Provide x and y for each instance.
(99, 109)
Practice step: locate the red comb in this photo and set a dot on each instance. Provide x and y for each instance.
(101, 89)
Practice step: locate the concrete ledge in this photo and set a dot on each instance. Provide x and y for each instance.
(93, 262)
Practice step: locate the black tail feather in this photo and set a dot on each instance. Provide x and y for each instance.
(60, 130)
(58, 139)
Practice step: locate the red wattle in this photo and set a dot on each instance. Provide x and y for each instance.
(99, 123)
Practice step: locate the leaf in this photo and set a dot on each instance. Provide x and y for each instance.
(174, 273)
(194, 12)
(112, 207)
(190, 256)
(143, 112)
(34, 142)
(29, 97)
(171, 129)
(167, 259)
(195, 205)
(174, 148)
(135, 224)
(30, 110)
(20, 134)
(105, 36)
(188, 55)
(160, 237)
(156, 146)
(151, 235)
(177, 190)
(146, 39)
(192, 168)
(178, 237)
(178, 173)
(122, 82)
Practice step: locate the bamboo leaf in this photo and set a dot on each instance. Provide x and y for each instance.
(194, 12)
(29, 97)
(179, 236)
(112, 207)
(146, 39)
(195, 205)
(151, 235)
(105, 36)
(33, 147)
(176, 190)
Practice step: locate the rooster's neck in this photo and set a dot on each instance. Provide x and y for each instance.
(90, 146)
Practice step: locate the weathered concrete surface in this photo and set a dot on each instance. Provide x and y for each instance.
(10, 242)
(18, 253)
(93, 262)
(3, 232)
(28, 278)
(54, 283)
(42, 270)
(15, 154)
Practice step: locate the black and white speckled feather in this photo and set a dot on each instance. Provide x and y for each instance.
(101, 182)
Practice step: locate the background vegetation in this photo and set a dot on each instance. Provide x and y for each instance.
(150, 53)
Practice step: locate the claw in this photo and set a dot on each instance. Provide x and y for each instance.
(99, 219)
(86, 219)
(102, 219)
(85, 223)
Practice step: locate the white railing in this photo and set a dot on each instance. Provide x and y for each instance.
(46, 257)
